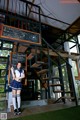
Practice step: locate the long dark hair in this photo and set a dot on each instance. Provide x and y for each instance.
(18, 62)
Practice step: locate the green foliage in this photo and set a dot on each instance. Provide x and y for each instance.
(4, 53)
(56, 72)
(2, 60)
(2, 95)
(7, 45)
(1, 88)
(75, 70)
(2, 105)
(2, 66)
(3, 72)
(2, 80)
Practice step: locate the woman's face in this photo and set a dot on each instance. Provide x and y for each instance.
(19, 65)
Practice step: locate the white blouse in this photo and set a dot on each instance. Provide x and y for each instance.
(17, 73)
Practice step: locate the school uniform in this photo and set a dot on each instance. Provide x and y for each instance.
(17, 85)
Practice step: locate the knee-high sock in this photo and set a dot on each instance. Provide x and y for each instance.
(14, 101)
(18, 100)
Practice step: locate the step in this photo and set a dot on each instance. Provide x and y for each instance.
(34, 51)
(37, 64)
(42, 71)
(51, 78)
(40, 62)
(68, 97)
(55, 77)
(30, 56)
(22, 48)
(54, 85)
(58, 91)
(26, 104)
(45, 79)
(68, 92)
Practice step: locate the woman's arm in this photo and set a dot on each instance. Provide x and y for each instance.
(12, 71)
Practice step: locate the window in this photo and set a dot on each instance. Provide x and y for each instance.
(79, 39)
(74, 48)
(2, 66)
(7, 45)
(75, 69)
(2, 81)
(4, 53)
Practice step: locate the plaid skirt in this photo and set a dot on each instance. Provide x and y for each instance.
(15, 85)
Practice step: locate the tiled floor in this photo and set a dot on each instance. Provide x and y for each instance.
(40, 109)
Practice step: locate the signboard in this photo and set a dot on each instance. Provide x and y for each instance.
(15, 34)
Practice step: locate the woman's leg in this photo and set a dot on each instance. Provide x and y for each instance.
(14, 93)
(19, 98)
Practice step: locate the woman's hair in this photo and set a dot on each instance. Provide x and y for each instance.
(18, 62)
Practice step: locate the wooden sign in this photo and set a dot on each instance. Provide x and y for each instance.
(15, 34)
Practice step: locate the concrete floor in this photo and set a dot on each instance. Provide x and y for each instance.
(29, 110)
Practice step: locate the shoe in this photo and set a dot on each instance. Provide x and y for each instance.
(19, 111)
(15, 112)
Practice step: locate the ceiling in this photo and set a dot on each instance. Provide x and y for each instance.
(62, 12)
(57, 16)
(57, 13)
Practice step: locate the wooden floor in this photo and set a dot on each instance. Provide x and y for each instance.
(40, 109)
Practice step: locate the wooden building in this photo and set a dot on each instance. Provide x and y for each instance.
(43, 48)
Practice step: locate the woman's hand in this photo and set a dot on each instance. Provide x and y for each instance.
(12, 68)
(17, 78)
(22, 76)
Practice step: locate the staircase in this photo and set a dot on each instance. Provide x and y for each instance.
(43, 64)
(45, 75)
(45, 67)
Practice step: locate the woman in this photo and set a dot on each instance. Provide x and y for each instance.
(16, 86)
